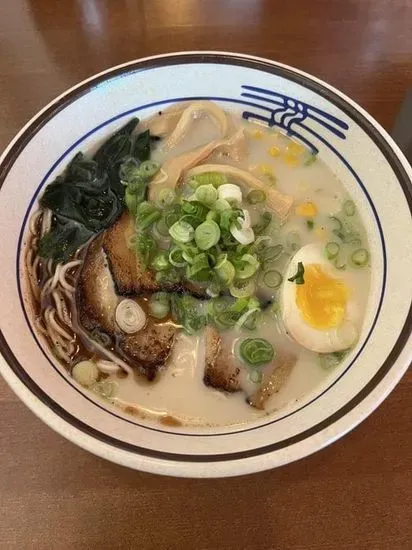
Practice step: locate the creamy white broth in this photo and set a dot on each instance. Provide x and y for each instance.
(178, 395)
(180, 391)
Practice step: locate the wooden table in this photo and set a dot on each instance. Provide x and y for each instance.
(355, 494)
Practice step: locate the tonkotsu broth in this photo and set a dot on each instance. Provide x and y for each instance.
(179, 396)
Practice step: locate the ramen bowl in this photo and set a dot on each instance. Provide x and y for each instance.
(348, 140)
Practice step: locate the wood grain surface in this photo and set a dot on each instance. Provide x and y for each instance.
(357, 494)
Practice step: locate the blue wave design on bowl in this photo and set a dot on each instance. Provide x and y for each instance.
(288, 113)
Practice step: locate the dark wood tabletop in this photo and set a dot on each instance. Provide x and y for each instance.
(356, 494)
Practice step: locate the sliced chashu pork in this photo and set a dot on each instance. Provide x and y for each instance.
(96, 302)
(129, 276)
(222, 372)
(274, 378)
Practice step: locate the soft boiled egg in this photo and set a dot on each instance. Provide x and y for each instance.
(322, 314)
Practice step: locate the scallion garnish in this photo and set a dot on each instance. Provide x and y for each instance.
(256, 196)
(298, 277)
(360, 257)
(159, 305)
(182, 232)
(207, 234)
(332, 250)
(256, 351)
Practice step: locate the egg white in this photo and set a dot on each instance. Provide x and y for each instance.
(320, 340)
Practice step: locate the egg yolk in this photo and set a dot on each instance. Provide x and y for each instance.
(321, 299)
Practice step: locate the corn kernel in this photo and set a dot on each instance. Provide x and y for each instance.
(295, 148)
(307, 210)
(266, 169)
(321, 232)
(257, 134)
(290, 159)
(274, 151)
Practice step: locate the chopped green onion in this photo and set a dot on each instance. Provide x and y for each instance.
(345, 233)
(247, 266)
(214, 289)
(262, 243)
(148, 168)
(310, 224)
(161, 262)
(246, 318)
(212, 215)
(349, 208)
(227, 319)
(253, 303)
(145, 248)
(176, 257)
(293, 241)
(339, 266)
(146, 214)
(162, 228)
(207, 234)
(182, 232)
(220, 205)
(338, 222)
(129, 170)
(256, 351)
(208, 178)
(225, 270)
(172, 215)
(159, 305)
(360, 257)
(187, 312)
(240, 305)
(104, 388)
(220, 304)
(168, 276)
(206, 194)
(263, 223)
(272, 252)
(131, 202)
(332, 250)
(189, 253)
(255, 376)
(231, 193)
(256, 196)
(330, 360)
(272, 279)
(199, 270)
(242, 288)
(298, 277)
(166, 197)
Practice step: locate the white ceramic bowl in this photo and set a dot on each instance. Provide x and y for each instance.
(354, 146)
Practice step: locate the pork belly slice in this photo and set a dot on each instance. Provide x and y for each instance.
(149, 349)
(96, 301)
(274, 377)
(221, 371)
(129, 276)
